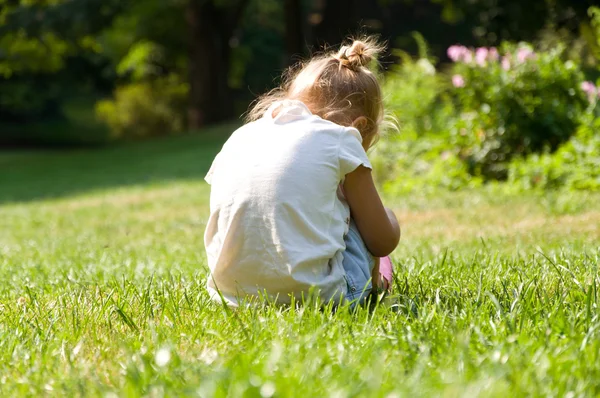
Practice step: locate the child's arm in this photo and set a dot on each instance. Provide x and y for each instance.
(377, 225)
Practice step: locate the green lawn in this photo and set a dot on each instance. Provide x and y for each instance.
(102, 269)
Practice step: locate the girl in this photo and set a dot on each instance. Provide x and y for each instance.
(293, 206)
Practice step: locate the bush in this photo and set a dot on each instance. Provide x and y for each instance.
(493, 115)
(404, 165)
(145, 109)
(418, 156)
(410, 92)
(576, 165)
(513, 105)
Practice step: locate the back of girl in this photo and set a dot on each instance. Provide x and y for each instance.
(293, 205)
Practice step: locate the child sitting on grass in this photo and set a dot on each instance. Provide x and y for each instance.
(293, 206)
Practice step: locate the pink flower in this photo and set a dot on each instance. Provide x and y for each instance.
(468, 56)
(590, 89)
(493, 54)
(525, 54)
(506, 63)
(455, 52)
(458, 81)
(481, 56)
(460, 54)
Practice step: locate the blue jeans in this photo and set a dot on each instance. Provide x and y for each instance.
(358, 264)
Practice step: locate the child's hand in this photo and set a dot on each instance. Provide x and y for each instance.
(376, 276)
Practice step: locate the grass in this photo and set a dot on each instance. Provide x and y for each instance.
(102, 272)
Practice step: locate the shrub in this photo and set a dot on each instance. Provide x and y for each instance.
(576, 165)
(145, 109)
(417, 156)
(412, 91)
(494, 115)
(423, 165)
(513, 105)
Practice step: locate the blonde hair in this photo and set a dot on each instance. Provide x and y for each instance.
(337, 86)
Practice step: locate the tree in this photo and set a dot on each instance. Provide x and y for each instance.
(37, 40)
(211, 25)
(200, 33)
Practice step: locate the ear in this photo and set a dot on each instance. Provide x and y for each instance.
(360, 123)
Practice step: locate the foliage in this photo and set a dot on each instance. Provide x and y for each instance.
(576, 165)
(512, 105)
(71, 20)
(48, 57)
(407, 82)
(591, 31)
(464, 126)
(580, 48)
(142, 61)
(145, 109)
(404, 165)
(417, 157)
(25, 54)
(92, 46)
(488, 19)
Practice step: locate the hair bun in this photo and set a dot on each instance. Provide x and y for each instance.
(359, 54)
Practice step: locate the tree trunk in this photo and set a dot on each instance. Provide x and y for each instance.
(294, 31)
(209, 31)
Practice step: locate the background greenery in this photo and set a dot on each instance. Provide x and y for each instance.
(516, 113)
(486, 90)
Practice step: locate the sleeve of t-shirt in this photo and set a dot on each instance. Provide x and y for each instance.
(211, 171)
(223, 154)
(351, 152)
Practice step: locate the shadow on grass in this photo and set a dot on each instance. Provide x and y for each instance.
(34, 175)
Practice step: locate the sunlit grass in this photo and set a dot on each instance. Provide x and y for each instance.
(102, 292)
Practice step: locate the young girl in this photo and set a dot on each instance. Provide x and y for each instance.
(293, 206)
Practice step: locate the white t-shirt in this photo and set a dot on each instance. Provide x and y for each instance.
(277, 222)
